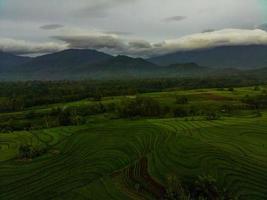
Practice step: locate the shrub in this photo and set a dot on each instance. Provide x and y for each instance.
(206, 187)
(181, 100)
(259, 101)
(140, 106)
(175, 190)
(180, 112)
(231, 89)
(202, 188)
(212, 115)
(29, 152)
(65, 118)
(257, 88)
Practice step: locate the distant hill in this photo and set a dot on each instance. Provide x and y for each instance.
(76, 64)
(187, 69)
(242, 57)
(91, 64)
(107, 67)
(63, 61)
(8, 60)
(120, 66)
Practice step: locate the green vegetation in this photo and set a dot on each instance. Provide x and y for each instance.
(133, 142)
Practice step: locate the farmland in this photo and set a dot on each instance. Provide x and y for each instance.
(111, 156)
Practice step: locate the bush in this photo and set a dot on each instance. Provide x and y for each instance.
(66, 116)
(212, 115)
(13, 124)
(202, 188)
(256, 102)
(231, 89)
(181, 100)
(180, 112)
(206, 187)
(30, 115)
(257, 88)
(140, 106)
(258, 113)
(175, 190)
(29, 152)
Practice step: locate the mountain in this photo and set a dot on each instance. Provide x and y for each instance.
(124, 67)
(123, 64)
(76, 64)
(118, 67)
(63, 61)
(8, 60)
(242, 57)
(90, 64)
(258, 73)
(187, 69)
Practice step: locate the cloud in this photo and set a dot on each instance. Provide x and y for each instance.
(175, 18)
(35, 10)
(51, 26)
(262, 27)
(144, 18)
(225, 37)
(208, 30)
(25, 47)
(92, 41)
(115, 44)
(118, 33)
(139, 44)
(99, 8)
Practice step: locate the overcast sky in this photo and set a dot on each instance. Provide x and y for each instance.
(131, 27)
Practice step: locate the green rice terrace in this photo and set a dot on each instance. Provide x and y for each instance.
(157, 145)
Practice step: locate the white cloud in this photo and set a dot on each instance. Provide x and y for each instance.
(225, 37)
(142, 17)
(117, 45)
(26, 47)
(114, 44)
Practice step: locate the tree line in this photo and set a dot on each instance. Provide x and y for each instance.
(16, 96)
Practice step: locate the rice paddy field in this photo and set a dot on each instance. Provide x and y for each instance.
(132, 159)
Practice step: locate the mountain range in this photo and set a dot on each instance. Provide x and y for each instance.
(91, 64)
(241, 57)
(8, 60)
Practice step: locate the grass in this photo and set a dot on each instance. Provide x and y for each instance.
(132, 159)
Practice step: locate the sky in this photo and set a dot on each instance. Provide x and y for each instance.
(140, 28)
